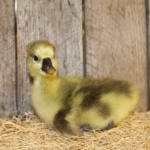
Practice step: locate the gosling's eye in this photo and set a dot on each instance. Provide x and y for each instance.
(35, 58)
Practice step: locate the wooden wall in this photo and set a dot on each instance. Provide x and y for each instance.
(7, 59)
(57, 21)
(115, 44)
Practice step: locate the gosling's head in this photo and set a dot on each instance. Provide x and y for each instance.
(41, 60)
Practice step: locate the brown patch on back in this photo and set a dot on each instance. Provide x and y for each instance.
(92, 99)
(108, 85)
(92, 90)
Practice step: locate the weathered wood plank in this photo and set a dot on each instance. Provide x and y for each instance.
(116, 42)
(60, 23)
(147, 5)
(7, 59)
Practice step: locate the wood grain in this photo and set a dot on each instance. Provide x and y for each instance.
(147, 3)
(7, 59)
(60, 23)
(116, 42)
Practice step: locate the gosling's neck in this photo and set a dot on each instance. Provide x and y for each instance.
(40, 80)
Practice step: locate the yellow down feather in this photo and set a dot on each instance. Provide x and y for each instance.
(76, 104)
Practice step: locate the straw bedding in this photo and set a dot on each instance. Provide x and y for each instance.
(28, 132)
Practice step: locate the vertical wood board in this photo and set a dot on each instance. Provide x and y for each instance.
(116, 42)
(60, 23)
(7, 59)
(148, 47)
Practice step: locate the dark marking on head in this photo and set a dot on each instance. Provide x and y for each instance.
(31, 79)
(110, 125)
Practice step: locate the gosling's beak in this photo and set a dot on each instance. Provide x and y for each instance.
(51, 70)
(47, 66)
